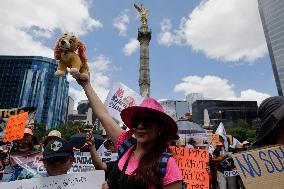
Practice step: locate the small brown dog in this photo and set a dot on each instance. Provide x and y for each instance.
(65, 52)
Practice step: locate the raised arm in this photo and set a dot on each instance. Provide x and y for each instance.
(112, 128)
(96, 159)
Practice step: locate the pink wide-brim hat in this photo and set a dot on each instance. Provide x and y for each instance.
(150, 105)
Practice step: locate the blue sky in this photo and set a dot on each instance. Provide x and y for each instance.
(214, 47)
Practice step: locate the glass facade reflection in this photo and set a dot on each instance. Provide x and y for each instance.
(29, 81)
(272, 17)
(226, 111)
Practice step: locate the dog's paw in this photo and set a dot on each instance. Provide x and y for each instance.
(59, 73)
(74, 70)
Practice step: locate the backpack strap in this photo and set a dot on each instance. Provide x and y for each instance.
(125, 146)
(163, 169)
(164, 162)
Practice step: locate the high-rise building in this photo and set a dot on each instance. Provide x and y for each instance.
(29, 81)
(272, 17)
(70, 108)
(227, 112)
(192, 97)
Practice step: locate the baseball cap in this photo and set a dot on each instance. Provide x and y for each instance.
(54, 133)
(57, 148)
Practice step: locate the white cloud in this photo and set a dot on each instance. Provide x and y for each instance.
(229, 30)
(99, 80)
(131, 46)
(23, 22)
(121, 22)
(166, 37)
(250, 94)
(217, 88)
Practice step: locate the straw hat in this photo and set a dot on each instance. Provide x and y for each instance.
(152, 106)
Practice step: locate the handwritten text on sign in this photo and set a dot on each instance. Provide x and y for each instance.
(88, 180)
(193, 164)
(263, 168)
(15, 127)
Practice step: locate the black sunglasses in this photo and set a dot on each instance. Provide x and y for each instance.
(147, 122)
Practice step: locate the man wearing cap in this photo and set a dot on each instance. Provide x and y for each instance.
(52, 135)
(24, 144)
(58, 157)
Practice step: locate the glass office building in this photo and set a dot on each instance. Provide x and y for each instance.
(272, 17)
(29, 81)
(223, 111)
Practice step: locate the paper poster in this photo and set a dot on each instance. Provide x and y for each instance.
(28, 165)
(192, 164)
(15, 127)
(87, 180)
(119, 98)
(262, 168)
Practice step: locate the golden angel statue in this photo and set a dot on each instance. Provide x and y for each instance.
(143, 13)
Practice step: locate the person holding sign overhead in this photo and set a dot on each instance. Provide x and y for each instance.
(140, 162)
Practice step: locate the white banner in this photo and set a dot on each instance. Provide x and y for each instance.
(87, 180)
(31, 166)
(119, 98)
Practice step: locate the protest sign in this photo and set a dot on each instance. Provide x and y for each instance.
(29, 164)
(88, 180)
(261, 168)
(6, 113)
(119, 98)
(192, 164)
(231, 173)
(83, 162)
(15, 127)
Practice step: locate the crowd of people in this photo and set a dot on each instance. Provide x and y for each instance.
(144, 157)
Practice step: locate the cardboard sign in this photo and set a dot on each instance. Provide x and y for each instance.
(119, 98)
(88, 180)
(15, 127)
(261, 168)
(192, 164)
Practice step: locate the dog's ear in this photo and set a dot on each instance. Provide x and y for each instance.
(81, 52)
(57, 50)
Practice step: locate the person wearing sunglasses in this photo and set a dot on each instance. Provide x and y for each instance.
(140, 159)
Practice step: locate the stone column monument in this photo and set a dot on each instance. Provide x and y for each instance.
(144, 37)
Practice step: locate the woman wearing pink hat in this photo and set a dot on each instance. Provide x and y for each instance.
(143, 161)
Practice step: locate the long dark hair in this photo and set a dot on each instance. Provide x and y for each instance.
(148, 171)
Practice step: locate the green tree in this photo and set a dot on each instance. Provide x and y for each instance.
(241, 130)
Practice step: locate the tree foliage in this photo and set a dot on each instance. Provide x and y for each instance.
(242, 131)
(66, 130)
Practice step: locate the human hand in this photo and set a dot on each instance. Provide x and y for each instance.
(82, 79)
(105, 185)
(89, 139)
